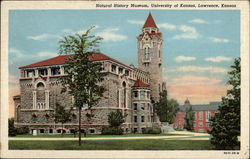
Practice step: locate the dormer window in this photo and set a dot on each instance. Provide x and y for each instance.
(43, 72)
(55, 71)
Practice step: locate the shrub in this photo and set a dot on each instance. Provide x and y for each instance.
(112, 131)
(22, 130)
(151, 130)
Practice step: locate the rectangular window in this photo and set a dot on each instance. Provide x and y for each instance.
(135, 106)
(55, 71)
(43, 72)
(143, 106)
(135, 130)
(200, 115)
(120, 70)
(200, 124)
(126, 72)
(135, 94)
(142, 94)
(31, 73)
(208, 116)
(113, 68)
(135, 119)
(142, 119)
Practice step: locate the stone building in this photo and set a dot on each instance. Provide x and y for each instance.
(202, 115)
(129, 90)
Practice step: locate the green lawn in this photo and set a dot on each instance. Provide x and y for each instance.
(90, 135)
(143, 144)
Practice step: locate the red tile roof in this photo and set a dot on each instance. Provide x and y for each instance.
(60, 60)
(150, 22)
(139, 83)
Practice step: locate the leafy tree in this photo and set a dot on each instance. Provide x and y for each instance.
(189, 119)
(226, 124)
(166, 109)
(83, 74)
(12, 129)
(115, 119)
(61, 115)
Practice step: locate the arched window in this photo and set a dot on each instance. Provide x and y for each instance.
(40, 86)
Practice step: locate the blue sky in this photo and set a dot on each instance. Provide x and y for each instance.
(199, 46)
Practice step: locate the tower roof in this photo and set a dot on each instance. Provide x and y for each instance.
(187, 102)
(139, 83)
(150, 22)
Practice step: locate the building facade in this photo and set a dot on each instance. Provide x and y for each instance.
(128, 89)
(202, 115)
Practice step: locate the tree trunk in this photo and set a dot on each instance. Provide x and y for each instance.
(80, 108)
(62, 129)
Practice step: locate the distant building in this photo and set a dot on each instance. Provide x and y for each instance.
(203, 114)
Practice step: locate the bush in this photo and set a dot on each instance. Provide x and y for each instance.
(22, 130)
(151, 130)
(12, 129)
(112, 131)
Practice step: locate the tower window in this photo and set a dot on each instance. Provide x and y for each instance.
(146, 53)
(135, 119)
(142, 119)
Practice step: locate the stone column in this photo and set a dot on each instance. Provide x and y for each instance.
(49, 71)
(46, 99)
(62, 70)
(36, 73)
(34, 99)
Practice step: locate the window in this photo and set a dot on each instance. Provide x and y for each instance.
(142, 130)
(135, 130)
(142, 94)
(41, 131)
(55, 71)
(135, 106)
(143, 106)
(135, 94)
(120, 70)
(208, 116)
(113, 68)
(43, 72)
(146, 53)
(31, 73)
(159, 65)
(142, 119)
(207, 124)
(200, 124)
(92, 131)
(148, 95)
(126, 72)
(135, 119)
(200, 115)
(159, 53)
(40, 86)
(50, 131)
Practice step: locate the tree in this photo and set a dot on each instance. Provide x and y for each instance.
(61, 115)
(84, 75)
(166, 109)
(226, 124)
(12, 129)
(115, 119)
(189, 119)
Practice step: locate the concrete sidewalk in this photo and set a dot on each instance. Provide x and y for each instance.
(177, 135)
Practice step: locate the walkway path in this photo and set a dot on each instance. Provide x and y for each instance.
(177, 135)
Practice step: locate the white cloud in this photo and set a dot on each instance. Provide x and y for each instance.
(43, 36)
(219, 40)
(15, 52)
(184, 58)
(199, 21)
(47, 54)
(140, 22)
(188, 33)
(167, 26)
(198, 80)
(218, 59)
(110, 34)
(199, 69)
